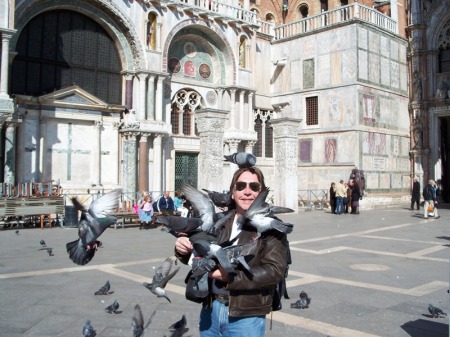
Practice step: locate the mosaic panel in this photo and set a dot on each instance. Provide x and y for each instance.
(305, 150)
(308, 74)
(330, 150)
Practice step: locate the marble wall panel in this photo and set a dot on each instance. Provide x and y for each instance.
(362, 38)
(323, 71)
(385, 180)
(379, 164)
(403, 70)
(394, 49)
(296, 75)
(363, 67)
(384, 46)
(324, 41)
(374, 68)
(402, 53)
(374, 42)
(395, 75)
(396, 180)
(367, 162)
(385, 68)
(336, 68)
(372, 180)
(349, 66)
(335, 111)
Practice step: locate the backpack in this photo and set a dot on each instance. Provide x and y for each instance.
(427, 194)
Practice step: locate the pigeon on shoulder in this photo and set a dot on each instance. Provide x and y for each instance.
(93, 222)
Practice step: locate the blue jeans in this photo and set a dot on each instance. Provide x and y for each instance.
(339, 205)
(215, 322)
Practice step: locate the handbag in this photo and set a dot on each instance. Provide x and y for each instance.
(430, 207)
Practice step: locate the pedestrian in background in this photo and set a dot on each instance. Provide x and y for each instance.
(340, 195)
(333, 197)
(415, 194)
(429, 197)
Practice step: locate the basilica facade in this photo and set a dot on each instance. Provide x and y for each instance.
(149, 94)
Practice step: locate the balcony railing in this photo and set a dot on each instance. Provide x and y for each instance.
(213, 9)
(333, 17)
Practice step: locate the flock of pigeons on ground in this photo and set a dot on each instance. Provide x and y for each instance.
(202, 231)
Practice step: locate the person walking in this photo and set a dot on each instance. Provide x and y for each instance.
(238, 303)
(415, 194)
(429, 196)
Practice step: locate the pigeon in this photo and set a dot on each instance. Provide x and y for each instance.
(88, 330)
(162, 276)
(137, 322)
(104, 290)
(93, 223)
(303, 302)
(50, 251)
(219, 199)
(179, 328)
(17, 232)
(42, 242)
(261, 215)
(435, 311)
(112, 309)
(241, 159)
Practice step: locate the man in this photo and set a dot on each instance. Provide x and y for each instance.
(238, 302)
(341, 193)
(429, 195)
(166, 204)
(415, 194)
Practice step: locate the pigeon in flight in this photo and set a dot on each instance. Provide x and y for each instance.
(42, 242)
(104, 290)
(219, 199)
(162, 275)
(93, 223)
(303, 302)
(112, 309)
(137, 322)
(435, 311)
(88, 330)
(241, 159)
(262, 216)
(179, 328)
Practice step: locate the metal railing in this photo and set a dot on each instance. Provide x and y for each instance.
(312, 199)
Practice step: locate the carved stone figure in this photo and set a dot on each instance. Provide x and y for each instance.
(441, 92)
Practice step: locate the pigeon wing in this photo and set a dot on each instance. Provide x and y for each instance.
(201, 203)
(137, 322)
(106, 204)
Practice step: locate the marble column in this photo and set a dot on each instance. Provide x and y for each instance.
(151, 97)
(129, 91)
(10, 154)
(249, 146)
(233, 145)
(41, 157)
(251, 117)
(285, 134)
(140, 107)
(232, 108)
(143, 163)
(241, 109)
(129, 164)
(210, 124)
(220, 98)
(159, 99)
(4, 67)
(158, 36)
(114, 167)
(96, 153)
(157, 156)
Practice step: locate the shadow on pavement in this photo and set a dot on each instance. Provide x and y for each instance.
(426, 328)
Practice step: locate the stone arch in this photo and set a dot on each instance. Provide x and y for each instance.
(212, 40)
(118, 26)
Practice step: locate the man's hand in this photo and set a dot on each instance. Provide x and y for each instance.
(219, 274)
(183, 245)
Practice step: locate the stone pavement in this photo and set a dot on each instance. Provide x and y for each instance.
(368, 275)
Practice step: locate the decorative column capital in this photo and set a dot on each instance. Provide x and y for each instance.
(210, 120)
(285, 127)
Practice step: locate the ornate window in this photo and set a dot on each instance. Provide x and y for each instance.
(303, 9)
(264, 145)
(184, 104)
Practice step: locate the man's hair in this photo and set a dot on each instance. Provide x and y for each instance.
(253, 170)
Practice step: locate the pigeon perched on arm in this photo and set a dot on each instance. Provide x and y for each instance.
(261, 216)
(104, 290)
(435, 311)
(303, 302)
(93, 223)
(88, 330)
(241, 159)
(162, 275)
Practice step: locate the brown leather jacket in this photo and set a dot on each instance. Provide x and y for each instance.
(252, 295)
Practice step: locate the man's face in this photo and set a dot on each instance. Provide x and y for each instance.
(166, 194)
(247, 195)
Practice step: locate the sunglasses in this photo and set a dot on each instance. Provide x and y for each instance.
(242, 185)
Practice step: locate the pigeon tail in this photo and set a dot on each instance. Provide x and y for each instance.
(78, 253)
